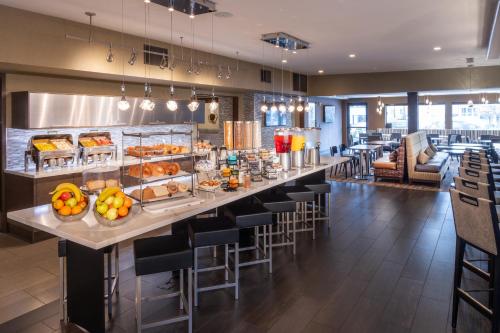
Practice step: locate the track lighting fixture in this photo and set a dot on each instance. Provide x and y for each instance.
(163, 62)
(109, 56)
(133, 57)
(171, 103)
(193, 103)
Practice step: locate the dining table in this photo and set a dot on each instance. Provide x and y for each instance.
(365, 150)
(86, 238)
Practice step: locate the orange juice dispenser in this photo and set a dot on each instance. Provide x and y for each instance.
(283, 143)
(297, 148)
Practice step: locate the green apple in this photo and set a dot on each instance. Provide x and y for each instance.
(118, 202)
(102, 209)
(71, 202)
(109, 200)
(98, 203)
(112, 214)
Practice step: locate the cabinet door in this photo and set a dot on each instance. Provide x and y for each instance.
(45, 185)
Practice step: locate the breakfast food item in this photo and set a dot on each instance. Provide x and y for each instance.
(158, 149)
(95, 185)
(87, 142)
(172, 187)
(102, 140)
(44, 145)
(182, 187)
(233, 183)
(68, 200)
(62, 144)
(157, 169)
(204, 166)
(112, 182)
(113, 204)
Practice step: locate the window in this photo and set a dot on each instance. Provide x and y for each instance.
(357, 121)
(431, 116)
(275, 118)
(311, 116)
(397, 116)
(477, 117)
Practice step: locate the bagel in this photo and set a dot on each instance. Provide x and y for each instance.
(172, 187)
(175, 149)
(182, 187)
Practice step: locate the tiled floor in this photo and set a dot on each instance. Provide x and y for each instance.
(386, 266)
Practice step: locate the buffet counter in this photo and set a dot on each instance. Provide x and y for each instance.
(89, 233)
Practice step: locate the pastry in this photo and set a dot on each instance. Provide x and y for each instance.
(160, 191)
(147, 193)
(172, 187)
(94, 185)
(112, 183)
(182, 187)
(173, 168)
(175, 149)
(184, 150)
(157, 170)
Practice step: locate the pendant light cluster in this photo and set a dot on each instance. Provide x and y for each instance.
(147, 103)
(380, 105)
(428, 101)
(171, 102)
(123, 104)
(293, 104)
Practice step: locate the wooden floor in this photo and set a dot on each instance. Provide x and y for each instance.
(385, 266)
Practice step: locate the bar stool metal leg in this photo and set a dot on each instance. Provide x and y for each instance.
(195, 250)
(138, 297)
(181, 288)
(190, 300)
(109, 281)
(270, 248)
(62, 291)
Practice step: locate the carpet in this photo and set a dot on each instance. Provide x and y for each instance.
(445, 184)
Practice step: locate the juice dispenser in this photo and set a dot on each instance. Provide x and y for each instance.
(297, 148)
(282, 143)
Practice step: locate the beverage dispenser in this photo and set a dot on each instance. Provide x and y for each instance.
(283, 143)
(313, 140)
(297, 148)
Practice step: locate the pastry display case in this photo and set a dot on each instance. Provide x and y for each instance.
(97, 147)
(51, 151)
(157, 169)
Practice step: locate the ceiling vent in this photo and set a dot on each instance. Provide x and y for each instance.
(285, 41)
(189, 7)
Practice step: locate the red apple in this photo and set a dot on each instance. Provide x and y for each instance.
(65, 196)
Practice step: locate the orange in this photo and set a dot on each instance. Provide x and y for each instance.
(127, 202)
(122, 211)
(120, 195)
(83, 198)
(76, 210)
(58, 204)
(65, 211)
(82, 204)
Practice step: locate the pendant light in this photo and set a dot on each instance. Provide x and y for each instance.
(291, 105)
(193, 103)
(380, 105)
(123, 104)
(281, 105)
(299, 106)
(214, 104)
(263, 104)
(470, 102)
(171, 103)
(147, 103)
(498, 98)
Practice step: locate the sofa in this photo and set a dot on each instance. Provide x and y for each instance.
(434, 170)
(383, 168)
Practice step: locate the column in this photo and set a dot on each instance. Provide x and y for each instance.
(412, 112)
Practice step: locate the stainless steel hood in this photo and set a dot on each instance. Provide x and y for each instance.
(45, 110)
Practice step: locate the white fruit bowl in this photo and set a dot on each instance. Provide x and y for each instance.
(71, 218)
(134, 209)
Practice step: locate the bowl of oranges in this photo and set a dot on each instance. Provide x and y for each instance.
(113, 207)
(69, 203)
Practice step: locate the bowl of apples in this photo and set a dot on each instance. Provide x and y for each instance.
(69, 203)
(113, 207)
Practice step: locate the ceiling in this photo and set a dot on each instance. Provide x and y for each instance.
(385, 35)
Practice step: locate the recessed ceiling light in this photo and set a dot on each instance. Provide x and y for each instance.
(223, 14)
(321, 71)
(437, 48)
(352, 55)
(284, 61)
(147, 1)
(294, 52)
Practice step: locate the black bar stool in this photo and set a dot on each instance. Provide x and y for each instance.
(246, 214)
(210, 232)
(281, 205)
(476, 223)
(164, 254)
(303, 196)
(111, 278)
(323, 189)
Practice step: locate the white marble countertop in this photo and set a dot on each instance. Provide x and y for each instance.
(89, 233)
